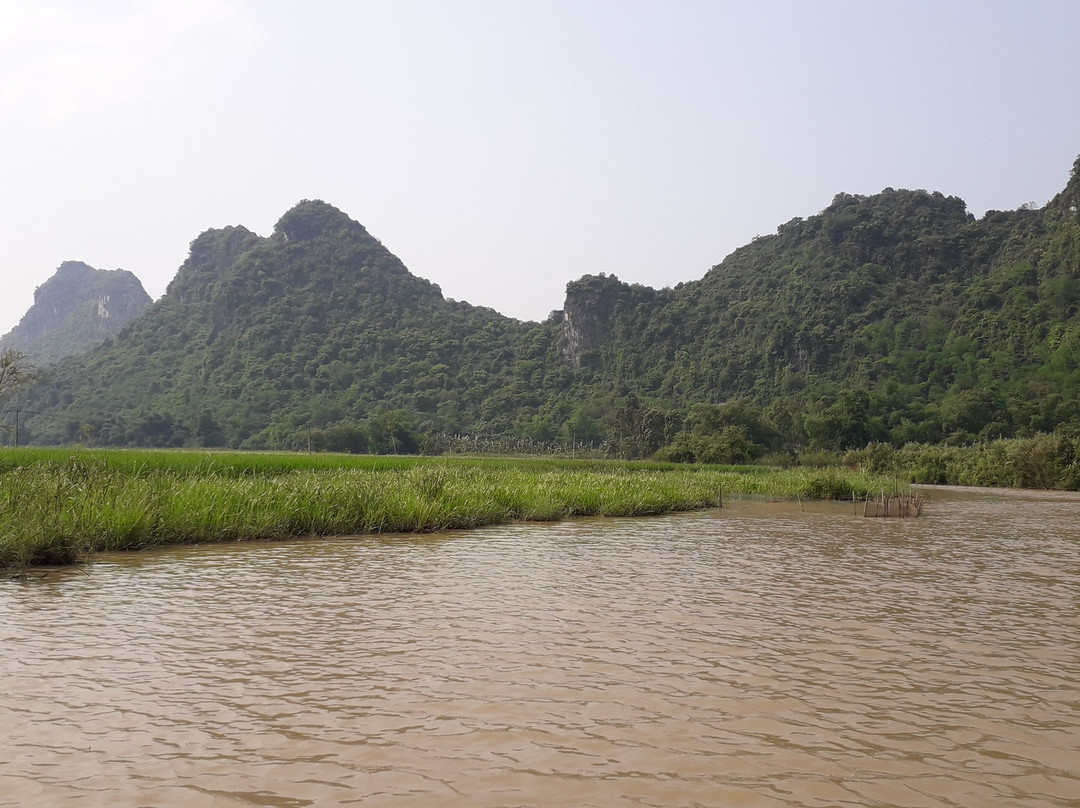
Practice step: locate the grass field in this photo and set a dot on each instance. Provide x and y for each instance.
(58, 506)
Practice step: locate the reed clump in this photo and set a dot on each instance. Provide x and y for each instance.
(59, 506)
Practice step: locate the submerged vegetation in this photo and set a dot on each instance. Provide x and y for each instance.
(58, 506)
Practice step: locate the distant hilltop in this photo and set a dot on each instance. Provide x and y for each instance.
(74, 310)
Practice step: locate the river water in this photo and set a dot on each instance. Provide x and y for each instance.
(763, 654)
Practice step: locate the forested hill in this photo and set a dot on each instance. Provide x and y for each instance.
(74, 310)
(893, 317)
(257, 341)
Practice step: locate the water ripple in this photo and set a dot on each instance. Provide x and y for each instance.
(759, 655)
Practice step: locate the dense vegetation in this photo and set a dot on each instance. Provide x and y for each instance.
(1043, 461)
(316, 332)
(58, 505)
(895, 318)
(74, 310)
(891, 319)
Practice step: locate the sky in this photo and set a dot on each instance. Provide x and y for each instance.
(502, 148)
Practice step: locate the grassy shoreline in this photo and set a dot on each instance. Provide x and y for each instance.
(58, 506)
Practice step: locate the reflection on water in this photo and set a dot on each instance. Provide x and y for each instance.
(759, 655)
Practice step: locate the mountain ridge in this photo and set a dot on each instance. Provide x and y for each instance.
(892, 317)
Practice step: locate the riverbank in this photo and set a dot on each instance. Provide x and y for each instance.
(61, 506)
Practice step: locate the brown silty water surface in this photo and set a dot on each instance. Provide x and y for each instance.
(761, 654)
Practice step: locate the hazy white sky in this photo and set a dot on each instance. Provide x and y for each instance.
(502, 148)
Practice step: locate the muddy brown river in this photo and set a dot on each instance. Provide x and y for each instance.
(759, 655)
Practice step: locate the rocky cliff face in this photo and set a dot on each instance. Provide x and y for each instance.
(602, 310)
(74, 310)
(590, 303)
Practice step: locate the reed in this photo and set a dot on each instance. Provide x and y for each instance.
(58, 506)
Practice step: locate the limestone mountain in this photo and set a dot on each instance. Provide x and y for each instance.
(893, 317)
(74, 310)
(259, 340)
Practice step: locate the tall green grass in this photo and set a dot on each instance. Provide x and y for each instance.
(57, 506)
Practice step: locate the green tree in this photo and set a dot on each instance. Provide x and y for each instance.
(638, 430)
(158, 430)
(209, 432)
(392, 433)
(582, 428)
(16, 372)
